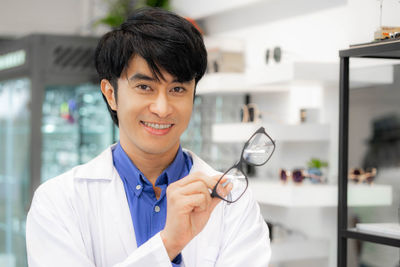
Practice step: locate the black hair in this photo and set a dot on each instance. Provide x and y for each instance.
(165, 40)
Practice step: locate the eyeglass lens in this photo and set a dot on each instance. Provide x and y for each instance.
(256, 152)
(239, 183)
(258, 149)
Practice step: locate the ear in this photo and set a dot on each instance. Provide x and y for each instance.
(108, 91)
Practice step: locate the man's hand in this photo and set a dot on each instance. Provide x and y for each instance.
(189, 206)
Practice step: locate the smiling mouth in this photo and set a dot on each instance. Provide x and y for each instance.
(157, 126)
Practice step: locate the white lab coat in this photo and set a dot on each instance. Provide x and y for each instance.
(82, 218)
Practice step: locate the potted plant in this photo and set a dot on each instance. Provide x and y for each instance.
(119, 10)
(315, 173)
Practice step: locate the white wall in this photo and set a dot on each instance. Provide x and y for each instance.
(312, 35)
(21, 17)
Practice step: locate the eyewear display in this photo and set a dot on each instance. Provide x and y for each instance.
(298, 176)
(256, 152)
(359, 175)
(276, 54)
(250, 113)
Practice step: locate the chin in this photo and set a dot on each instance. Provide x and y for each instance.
(157, 149)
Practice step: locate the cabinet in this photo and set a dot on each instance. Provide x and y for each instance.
(52, 117)
(388, 96)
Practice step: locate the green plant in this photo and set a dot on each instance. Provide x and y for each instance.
(316, 163)
(119, 10)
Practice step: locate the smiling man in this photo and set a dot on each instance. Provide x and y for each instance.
(145, 201)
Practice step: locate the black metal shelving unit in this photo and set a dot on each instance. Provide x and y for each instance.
(384, 50)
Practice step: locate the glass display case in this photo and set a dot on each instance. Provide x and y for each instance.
(52, 117)
(76, 127)
(15, 122)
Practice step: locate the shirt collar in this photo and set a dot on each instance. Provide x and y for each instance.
(173, 172)
(135, 178)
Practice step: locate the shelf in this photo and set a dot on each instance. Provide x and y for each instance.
(386, 229)
(282, 77)
(201, 9)
(221, 83)
(280, 132)
(386, 50)
(318, 195)
(389, 50)
(299, 250)
(73, 130)
(224, 44)
(367, 236)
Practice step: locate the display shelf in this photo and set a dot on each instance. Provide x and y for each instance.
(281, 77)
(385, 229)
(383, 51)
(318, 195)
(4, 227)
(202, 10)
(304, 249)
(383, 239)
(374, 50)
(224, 44)
(70, 131)
(279, 132)
(7, 259)
(205, 8)
(222, 83)
(16, 130)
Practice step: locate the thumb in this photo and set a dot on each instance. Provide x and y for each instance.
(223, 192)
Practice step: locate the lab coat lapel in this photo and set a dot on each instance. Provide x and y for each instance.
(118, 211)
(200, 165)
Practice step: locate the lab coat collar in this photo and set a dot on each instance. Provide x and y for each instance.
(99, 168)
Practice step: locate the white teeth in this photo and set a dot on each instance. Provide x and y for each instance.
(157, 126)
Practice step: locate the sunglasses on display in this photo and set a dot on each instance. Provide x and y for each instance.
(298, 176)
(359, 175)
(256, 152)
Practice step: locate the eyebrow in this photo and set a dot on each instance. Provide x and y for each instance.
(144, 77)
(140, 76)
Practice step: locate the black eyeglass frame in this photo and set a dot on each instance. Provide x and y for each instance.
(239, 165)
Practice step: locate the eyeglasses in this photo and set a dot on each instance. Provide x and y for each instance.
(359, 175)
(276, 54)
(250, 113)
(256, 152)
(298, 175)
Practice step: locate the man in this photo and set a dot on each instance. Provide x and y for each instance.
(113, 211)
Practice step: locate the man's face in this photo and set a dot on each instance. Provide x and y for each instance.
(152, 113)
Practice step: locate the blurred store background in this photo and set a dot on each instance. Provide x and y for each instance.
(271, 62)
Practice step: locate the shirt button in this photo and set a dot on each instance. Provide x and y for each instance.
(138, 187)
(157, 209)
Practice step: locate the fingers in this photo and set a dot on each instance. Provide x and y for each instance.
(222, 192)
(199, 183)
(197, 188)
(193, 188)
(197, 202)
(210, 181)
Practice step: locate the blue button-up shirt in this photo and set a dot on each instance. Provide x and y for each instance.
(149, 213)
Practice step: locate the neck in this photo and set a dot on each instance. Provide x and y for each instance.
(150, 164)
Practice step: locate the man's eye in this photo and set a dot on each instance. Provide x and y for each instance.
(143, 87)
(178, 89)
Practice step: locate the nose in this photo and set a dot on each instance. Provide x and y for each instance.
(161, 106)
